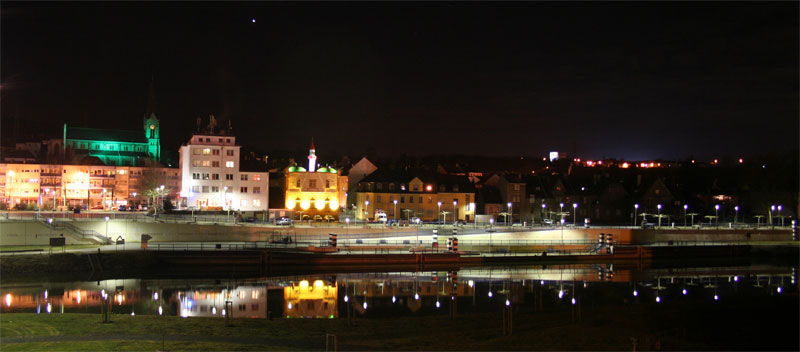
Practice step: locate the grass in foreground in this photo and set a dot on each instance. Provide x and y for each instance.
(45, 248)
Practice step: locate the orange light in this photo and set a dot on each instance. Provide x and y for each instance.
(599, 162)
(625, 165)
(651, 164)
(429, 188)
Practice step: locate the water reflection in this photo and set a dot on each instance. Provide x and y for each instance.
(476, 289)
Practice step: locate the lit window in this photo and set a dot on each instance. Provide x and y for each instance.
(256, 177)
(229, 164)
(256, 202)
(206, 151)
(243, 202)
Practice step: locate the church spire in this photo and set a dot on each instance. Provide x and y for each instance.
(312, 157)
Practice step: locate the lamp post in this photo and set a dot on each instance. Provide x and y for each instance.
(574, 212)
(685, 208)
(716, 214)
(106, 226)
(134, 198)
(771, 209)
(347, 229)
(161, 200)
(366, 212)
(561, 205)
(455, 214)
(438, 211)
(659, 214)
(736, 215)
(544, 210)
(635, 208)
(510, 214)
(780, 213)
(225, 201)
(562, 230)
(395, 210)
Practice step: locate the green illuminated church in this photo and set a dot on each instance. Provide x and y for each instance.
(118, 147)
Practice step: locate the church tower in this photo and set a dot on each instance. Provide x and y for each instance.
(151, 125)
(312, 157)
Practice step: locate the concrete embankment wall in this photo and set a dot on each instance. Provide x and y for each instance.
(28, 232)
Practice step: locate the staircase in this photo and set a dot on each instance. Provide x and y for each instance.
(90, 235)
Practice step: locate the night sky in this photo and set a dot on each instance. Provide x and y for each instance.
(634, 80)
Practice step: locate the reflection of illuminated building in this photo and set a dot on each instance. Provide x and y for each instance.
(247, 302)
(315, 191)
(310, 300)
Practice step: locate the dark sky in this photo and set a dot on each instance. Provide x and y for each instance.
(634, 80)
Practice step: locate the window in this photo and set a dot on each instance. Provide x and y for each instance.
(298, 184)
(254, 294)
(205, 176)
(379, 186)
(441, 188)
(466, 198)
(416, 187)
(229, 164)
(256, 177)
(327, 183)
(256, 190)
(215, 176)
(312, 183)
(215, 164)
(256, 202)
(214, 189)
(205, 189)
(243, 189)
(391, 186)
(243, 202)
(196, 189)
(420, 199)
(244, 177)
(516, 186)
(195, 176)
(229, 152)
(196, 163)
(206, 163)
(242, 307)
(402, 199)
(378, 199)
(207, 139)
(206, 151)
(229, 177)
(227, 140)
(455, 188)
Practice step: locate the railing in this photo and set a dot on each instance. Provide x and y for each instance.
(86, 234)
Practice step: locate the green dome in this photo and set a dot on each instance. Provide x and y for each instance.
(292, 168)
(323, 170)
(332, 170)
(301, 169)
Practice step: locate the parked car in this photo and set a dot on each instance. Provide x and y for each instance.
(318, 218)
(284, 221)
(329, 218)
(249, 219)
(123, 208)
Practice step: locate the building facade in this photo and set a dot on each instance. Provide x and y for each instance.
(404, 195)
(211, 178)
(315, 192)
(52, 186)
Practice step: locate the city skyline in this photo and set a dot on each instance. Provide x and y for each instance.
(635, 81)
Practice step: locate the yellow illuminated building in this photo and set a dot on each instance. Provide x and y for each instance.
(306, 299)
(315, 191)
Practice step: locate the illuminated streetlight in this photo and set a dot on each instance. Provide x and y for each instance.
(635, 208)
(366, 211)
(510, 214)
(455, 214)
(716, 213)
(736, 216)
(780, 210)
(574, 212)
(439, 211)
(106, 226)
(395, 209)
(659, 215)
(544, 210)
(685, 208)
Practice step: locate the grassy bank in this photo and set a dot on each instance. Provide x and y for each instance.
(44, 248)
(724, 325)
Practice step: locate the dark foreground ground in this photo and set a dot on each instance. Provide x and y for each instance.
(729, 324)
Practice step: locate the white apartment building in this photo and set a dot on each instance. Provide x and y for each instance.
(211, 178)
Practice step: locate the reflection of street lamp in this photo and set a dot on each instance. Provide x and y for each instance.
(106, 226)
(635, 208)
(225, 200)
(134, 198)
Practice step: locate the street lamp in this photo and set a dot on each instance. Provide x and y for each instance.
(635, 208)
(771, 209)
(562, 230)
(134, 198)
(736, 216)
(574, 212)
(659, 214)
(544, 210)
(455, 214)
(438, 211)
(685, 208)
(366, 211)
(780, 210)
(510, 214)
(716, 213)
(395, 209)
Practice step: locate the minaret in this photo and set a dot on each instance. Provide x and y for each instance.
(312, 158)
